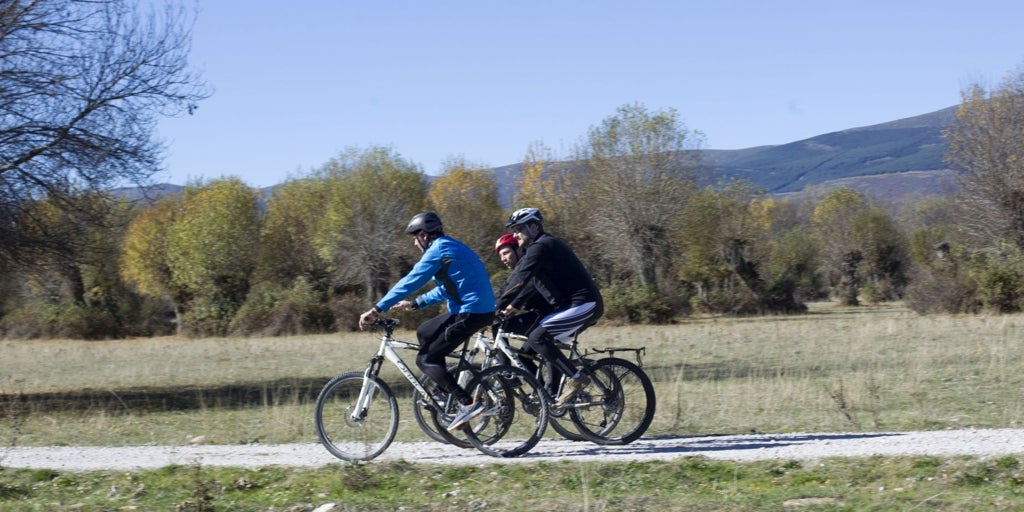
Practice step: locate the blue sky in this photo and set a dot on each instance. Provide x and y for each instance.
(298, 82)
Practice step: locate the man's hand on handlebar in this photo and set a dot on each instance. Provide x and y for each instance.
(367, 319)
(405, 305)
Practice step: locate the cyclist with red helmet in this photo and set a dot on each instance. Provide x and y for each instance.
(534, 305)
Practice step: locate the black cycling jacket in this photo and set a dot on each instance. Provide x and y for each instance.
(551, 270)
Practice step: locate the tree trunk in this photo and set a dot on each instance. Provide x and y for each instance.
(778, 298)
(849, 281)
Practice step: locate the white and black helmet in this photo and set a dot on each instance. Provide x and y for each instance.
(426, 221)
(524, 215)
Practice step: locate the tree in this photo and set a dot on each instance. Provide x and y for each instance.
(74, 292)
(640, 169)
(986, 145)
(293, 219)
(885, 253)
(860, 244)
(466, 198)
(83, 83)
(546, 183)
(144, 262)
(211, 252)
(832, 225)
(372, 195)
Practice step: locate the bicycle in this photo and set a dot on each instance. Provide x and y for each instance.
(356, 412)
(616, 409)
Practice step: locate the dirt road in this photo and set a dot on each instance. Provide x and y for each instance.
(800, 446)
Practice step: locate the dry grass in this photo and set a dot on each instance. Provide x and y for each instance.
(870, 368)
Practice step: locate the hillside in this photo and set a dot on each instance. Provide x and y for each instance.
(913, 144)
(888, 162)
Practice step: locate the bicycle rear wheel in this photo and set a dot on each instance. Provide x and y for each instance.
(352, 434)
(618, 405)
(515, 415)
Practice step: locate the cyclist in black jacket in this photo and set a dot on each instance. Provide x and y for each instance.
(550, 268)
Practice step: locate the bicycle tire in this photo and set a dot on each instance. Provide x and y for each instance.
(516, 413)
(619, 408)
(361, 438)
(426, 415)
(431, 423)
(558, 419)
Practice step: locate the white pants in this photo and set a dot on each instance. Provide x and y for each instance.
(562, 325)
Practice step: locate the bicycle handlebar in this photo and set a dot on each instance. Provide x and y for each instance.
(388, 324)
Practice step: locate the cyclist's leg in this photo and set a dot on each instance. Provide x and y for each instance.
(561, 325)
(522, 324)
(438, 337)
(565, 323)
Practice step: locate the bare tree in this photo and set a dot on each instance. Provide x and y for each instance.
(82, 85)
(372, 194)
(986, 144)
(640, 167)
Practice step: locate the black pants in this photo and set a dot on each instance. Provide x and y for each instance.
(438, 337)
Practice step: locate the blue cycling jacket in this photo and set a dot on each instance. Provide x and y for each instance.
(460, 276)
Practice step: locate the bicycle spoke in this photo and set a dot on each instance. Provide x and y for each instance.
(515, 414)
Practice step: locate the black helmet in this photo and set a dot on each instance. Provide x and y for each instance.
(426, 221)
(524, 215)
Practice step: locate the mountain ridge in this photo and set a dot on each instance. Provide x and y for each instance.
(887, 161)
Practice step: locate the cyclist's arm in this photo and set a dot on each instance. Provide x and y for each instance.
(434, 296)
(420, 274)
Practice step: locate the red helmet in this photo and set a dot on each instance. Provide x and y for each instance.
(504, 240)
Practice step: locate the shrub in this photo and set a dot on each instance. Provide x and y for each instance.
(735, 299)
(60, 320)
(999, 273)
(207, 316)
(629, 303)
(943, 281)
(299, 310)
(934, 290)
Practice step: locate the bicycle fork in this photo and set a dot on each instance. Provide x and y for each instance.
(366, 393)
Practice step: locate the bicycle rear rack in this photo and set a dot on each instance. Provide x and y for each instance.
(637, 352)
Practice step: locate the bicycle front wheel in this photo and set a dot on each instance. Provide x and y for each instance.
(515, 414)
(618, 405)
(351, 431)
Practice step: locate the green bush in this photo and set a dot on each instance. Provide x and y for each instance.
(941, 282)
(60, 320)
(735, 299)
(999, 274)
(206, 317)
(629, 303)
(300, 310)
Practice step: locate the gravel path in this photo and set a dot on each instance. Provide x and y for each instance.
(805, 446)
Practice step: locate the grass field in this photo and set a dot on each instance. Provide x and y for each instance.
(881, 368)
(833, 369)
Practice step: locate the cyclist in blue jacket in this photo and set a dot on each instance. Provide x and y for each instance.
(463, 284)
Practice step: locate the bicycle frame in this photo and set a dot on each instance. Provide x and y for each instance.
(387, 351)
(500, 342)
